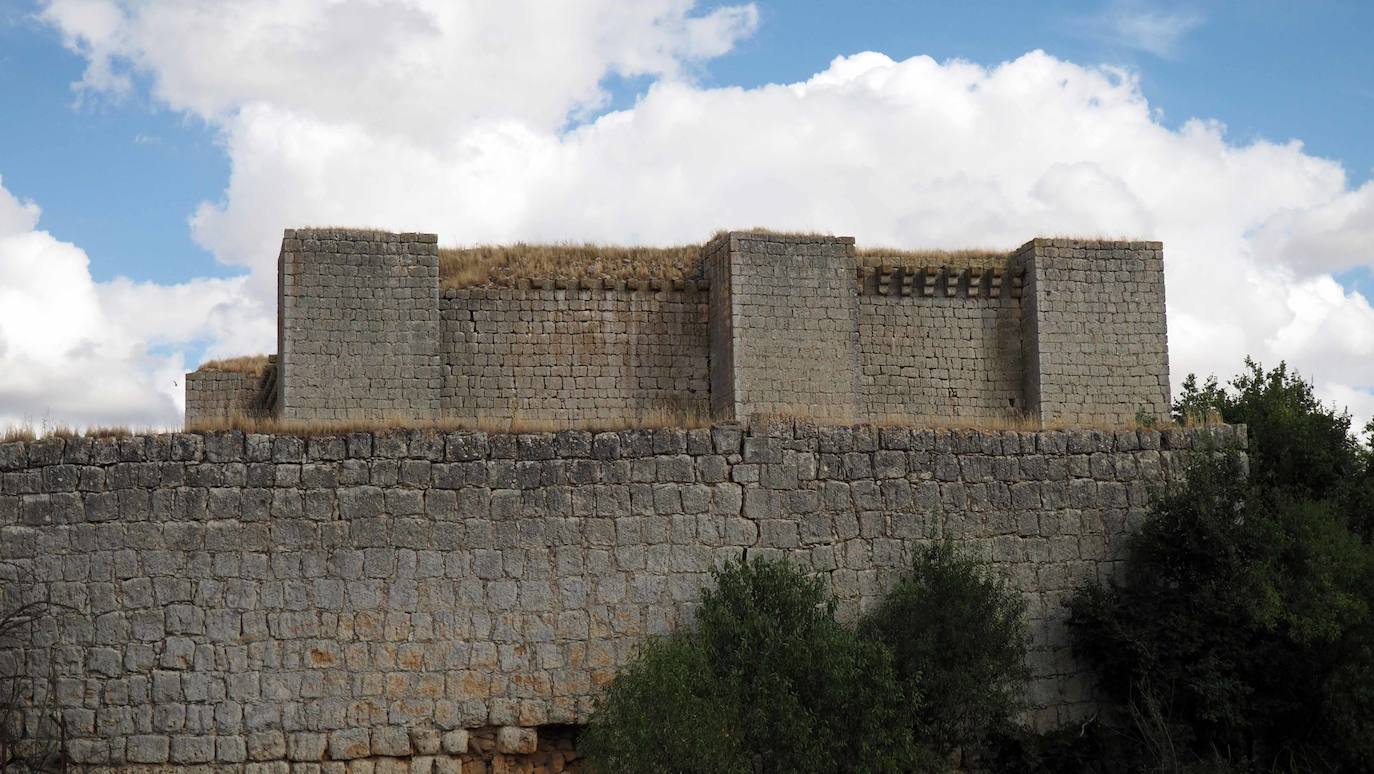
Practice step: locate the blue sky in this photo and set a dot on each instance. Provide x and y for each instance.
(122, 176)
(167, 142)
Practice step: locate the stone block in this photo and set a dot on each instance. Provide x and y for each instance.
(147, 749)
(350, 743)
(390, 740)
(515, 740)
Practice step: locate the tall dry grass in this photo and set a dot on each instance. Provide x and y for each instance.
(690, 418)
(652, 418)
(502, 265)
(245, 364)
(25, 433)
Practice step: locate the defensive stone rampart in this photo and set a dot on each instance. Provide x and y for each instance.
(575, 354)
(253, 600)
(938, 343)
(214, 395)
(1069, 332)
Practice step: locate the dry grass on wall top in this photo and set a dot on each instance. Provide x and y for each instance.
(661, 418)
(502, 265)
(875, 257)
(247, 364)
(657, 418)
(25, 433)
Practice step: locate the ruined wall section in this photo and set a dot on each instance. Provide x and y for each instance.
(1095, 337)
(358, 325)
(255, 598)
(212, 395)
(794, 326)
(941, 344)
(575, 354)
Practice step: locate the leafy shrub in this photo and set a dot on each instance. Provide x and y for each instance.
(768, 681)
(1296, 443)
(1242, 617)
(958, 635)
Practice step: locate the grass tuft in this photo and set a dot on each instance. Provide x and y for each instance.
(26, 433)
(17, 434)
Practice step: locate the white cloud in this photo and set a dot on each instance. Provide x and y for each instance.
(408, 67)
(77, 352)
(443, 121)
(1135, 24)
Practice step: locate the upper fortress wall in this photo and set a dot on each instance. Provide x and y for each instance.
(1066, 332)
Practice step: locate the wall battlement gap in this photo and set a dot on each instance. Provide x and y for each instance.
(1072, 332)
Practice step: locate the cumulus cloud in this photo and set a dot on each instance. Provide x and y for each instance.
(77, 352)
(407, 67)
(469, 124)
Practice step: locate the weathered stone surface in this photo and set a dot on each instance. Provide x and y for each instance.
(513, 739)
(231, 624)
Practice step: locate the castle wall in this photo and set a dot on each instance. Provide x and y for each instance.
(263, 598)
(1070, 331)
(1095, 337)
(574, 355)
(949, 355)
(358, 325)
(794, 325)
(214, 395)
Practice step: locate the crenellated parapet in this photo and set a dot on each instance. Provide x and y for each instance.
(1060, 332)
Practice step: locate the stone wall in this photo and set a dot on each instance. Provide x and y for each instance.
(266, 599)
(934, 349)
(1095, 335)
(794, 326)
(574, 355)
(358, 325)
(214, 395)
(1071, 331)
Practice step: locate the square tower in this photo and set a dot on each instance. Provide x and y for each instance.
(784, 325)
(358, 325)
(1095, 339)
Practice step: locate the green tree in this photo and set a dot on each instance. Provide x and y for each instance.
(1296, 443)
(958, 635)
(767, 681)
(1242, 615)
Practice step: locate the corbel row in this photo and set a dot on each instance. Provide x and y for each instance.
(940, 281)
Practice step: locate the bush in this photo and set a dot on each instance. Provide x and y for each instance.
(1240, 622)
(1296, 443)
(958, 636)
(768, 681)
